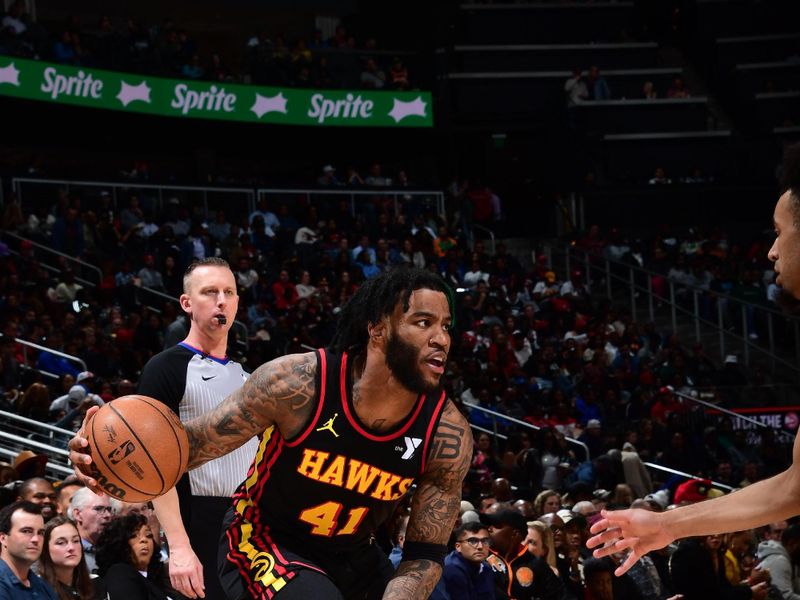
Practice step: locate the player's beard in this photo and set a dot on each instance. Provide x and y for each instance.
(403, 361)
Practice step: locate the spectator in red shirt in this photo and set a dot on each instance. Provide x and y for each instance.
(284, 292)
(666, 404)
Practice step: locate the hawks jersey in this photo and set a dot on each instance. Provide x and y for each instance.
(328, 488)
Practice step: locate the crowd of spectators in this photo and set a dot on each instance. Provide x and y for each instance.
(527, 345)
(168, 49)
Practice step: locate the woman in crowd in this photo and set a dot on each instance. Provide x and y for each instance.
(62, 563)
(128, 561)
(548, 501)
(541, 544)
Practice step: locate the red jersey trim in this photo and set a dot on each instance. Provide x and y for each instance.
(429, 434)
(323, 372)
(351, 418)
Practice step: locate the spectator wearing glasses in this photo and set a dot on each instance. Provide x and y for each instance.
(91, 513)
(466, 573)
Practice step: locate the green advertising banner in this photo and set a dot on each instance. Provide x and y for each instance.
(94, 88)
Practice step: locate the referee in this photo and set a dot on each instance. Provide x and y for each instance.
(191, 378)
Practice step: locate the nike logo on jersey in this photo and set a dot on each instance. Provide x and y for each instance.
(207, 378)
(412, 444)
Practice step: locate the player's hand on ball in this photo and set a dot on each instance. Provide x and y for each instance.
(79, 454)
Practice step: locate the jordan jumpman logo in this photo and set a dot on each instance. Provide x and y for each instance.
(329, 425)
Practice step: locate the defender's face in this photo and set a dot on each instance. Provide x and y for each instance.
(785, 251)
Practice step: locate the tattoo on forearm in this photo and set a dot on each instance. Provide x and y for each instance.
(225, 426)
(279, 392)
(414, 579)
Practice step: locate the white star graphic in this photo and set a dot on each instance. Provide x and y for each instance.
(268, 104)
(401, 110)
(130, 93)
(9, 74)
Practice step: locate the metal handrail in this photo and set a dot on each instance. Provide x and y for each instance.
(28, 442)
(570, 440)
(114, 186)
(644, 271)
(50, 465)
(35, 423)
(26, 344)
(682, 474)
(248, 191)
(489, 431)
(344, 191)
(82, 263)
(491, 235)
(716, 407)
(586, 260)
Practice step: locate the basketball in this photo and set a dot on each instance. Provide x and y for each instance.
(139, 448)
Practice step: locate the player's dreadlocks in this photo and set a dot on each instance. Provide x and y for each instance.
(377, 298)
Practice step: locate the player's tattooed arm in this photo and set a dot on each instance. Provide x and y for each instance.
(280, 392)
(435, 505)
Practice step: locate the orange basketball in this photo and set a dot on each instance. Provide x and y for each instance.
(139, 448)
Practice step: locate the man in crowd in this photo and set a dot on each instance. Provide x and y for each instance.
(780, 558)
(64, 494)
(466, 573)
(518, 573)
(39, 491)
(21, 539)
(91, 514)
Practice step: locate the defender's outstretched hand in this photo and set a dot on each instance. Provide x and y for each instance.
(636, 531)
(79, 454)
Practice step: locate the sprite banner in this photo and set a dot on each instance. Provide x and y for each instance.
(95, 88)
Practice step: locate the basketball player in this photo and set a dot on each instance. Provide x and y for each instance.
(775, 499)
(193, 377)
(345, 433)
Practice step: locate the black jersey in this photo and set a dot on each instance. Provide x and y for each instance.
(326, 490)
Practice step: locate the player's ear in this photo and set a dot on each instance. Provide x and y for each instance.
(186, 303)
(377, 331)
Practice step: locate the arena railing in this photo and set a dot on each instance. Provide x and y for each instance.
(26, 346)
(490, 233)
(207, 193)
(19, 442)
(735, 327)
(664, 469)
(43, 433)
(57, 471)
(498, 416)
(397, 195)
(81, 265)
